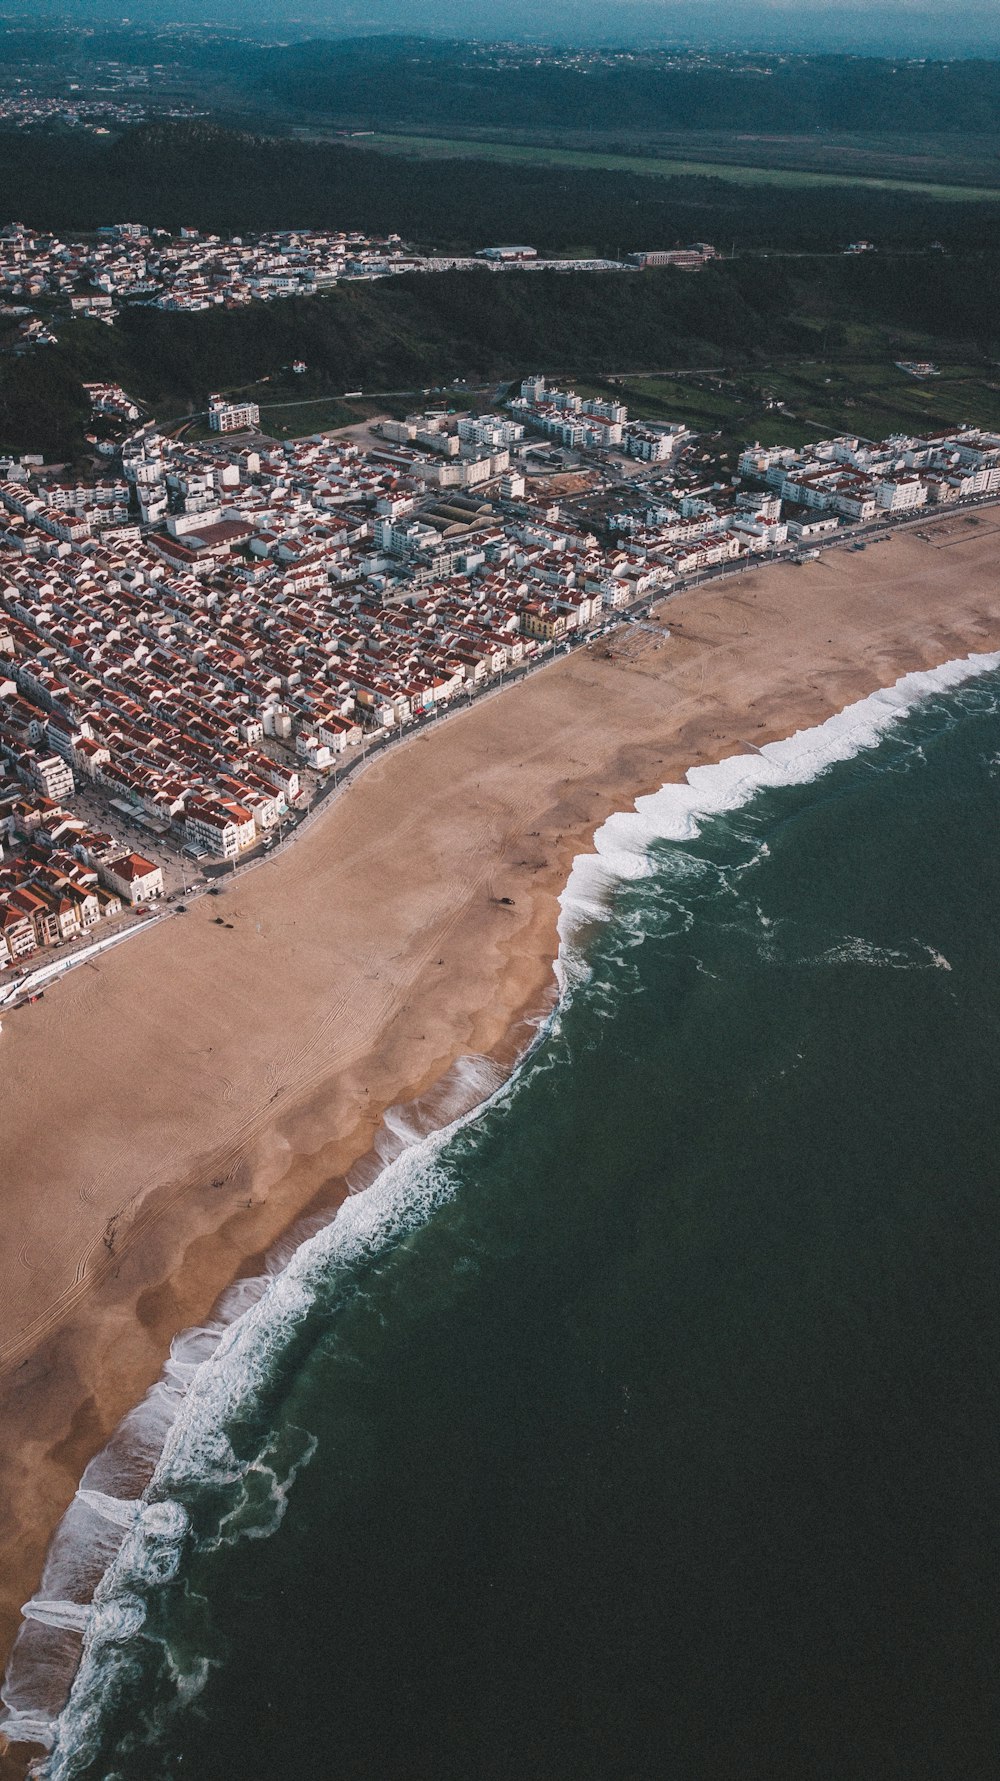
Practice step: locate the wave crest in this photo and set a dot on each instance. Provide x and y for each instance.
(126, 1527)
(677, 812)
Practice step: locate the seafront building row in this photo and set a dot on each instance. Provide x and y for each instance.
(63, 878)
(193, 641)
(860, 480)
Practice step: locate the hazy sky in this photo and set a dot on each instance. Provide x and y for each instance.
(905, 27)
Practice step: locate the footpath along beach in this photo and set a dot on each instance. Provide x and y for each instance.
(170, 1109)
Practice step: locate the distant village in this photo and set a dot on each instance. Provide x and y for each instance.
(190, 271)
(27, 110)
(192, 645)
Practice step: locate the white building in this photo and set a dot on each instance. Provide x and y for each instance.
(406, 539)
(133, 878)
(901, 494)
(507, 253)
(489, 429)
(231, 417)
(53, 777)
(816, 525)
(315, 753)
(757, 460)
(767, 506)
(603, 410)
(757, 531)
(855, 500)
(218, 826)
(646, 443)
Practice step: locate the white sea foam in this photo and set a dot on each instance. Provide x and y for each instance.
(852, 949)
(677, 812)
(126, 1528)
(54, 1613)
(263, 1498)
(110, 1546)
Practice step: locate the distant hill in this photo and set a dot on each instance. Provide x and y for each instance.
(869, 27)
(418, 81)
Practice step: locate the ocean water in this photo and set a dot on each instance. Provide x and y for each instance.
(643, 1423)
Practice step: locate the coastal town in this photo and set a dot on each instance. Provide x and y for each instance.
(499, 757)
(196, 643)
(191, 270)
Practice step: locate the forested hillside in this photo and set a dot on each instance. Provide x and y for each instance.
(412, 79)
(409, 332)
(437, 84)
(229, 181)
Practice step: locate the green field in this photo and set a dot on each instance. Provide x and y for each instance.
(817, 398)
(297, 418)
(956, 159)
(452, 147)
(290, 419)
(847, 381)
(872, 400)
(285, 414)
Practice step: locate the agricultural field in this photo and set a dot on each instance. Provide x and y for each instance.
(793, 404)
(933, 160)
(661, 166)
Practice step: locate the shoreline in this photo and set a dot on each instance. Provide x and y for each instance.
(70, 1372)
(352, 770)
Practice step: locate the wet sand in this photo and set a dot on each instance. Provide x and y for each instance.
(166, 1112)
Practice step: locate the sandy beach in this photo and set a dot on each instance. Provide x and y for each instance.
(171, 1108)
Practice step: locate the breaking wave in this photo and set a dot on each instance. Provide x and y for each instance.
(127, 1526)
(677, 812)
